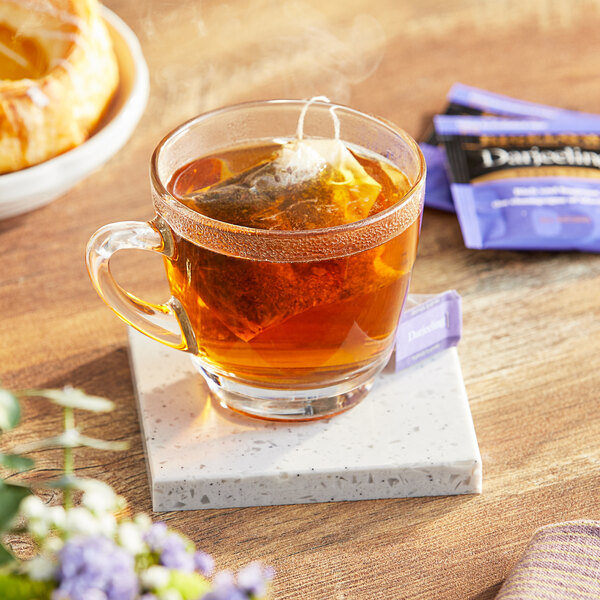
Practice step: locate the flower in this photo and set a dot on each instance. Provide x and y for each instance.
(56, 516)
(95, 568)
(52, 544)
(92, 551)
(156, 535)
(170, 595)
(99, 497)
(224, 588)
(253, 579)
(225, 591)
(80, 521)
(155, 577)
(40, 568)
(38, 528)
(143, 521)
(204, 563)
(32, 507)
(107, 525)
(130, 537)
(174, 554)
(252, 582)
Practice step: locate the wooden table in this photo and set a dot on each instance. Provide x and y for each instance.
(531, 344)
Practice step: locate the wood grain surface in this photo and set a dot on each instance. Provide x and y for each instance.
(531, 345)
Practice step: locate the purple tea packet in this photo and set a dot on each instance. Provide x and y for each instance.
(467, 100)
(525, 184)
(437, 185)
(429, 324)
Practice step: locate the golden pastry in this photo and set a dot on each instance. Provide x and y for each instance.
(58, 73)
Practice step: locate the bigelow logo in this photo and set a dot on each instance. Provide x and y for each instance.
(414, 334)
(569, 156)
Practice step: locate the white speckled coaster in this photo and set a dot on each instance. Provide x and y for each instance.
(412, 436)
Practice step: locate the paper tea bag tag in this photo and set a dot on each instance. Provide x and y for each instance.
(429, 324)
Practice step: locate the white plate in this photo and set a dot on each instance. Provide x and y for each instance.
(35, 186)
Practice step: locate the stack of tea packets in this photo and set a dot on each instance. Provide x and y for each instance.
(519, 175)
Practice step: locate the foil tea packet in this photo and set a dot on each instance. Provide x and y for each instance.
(525, 184)
(429, 324)
(467, 100)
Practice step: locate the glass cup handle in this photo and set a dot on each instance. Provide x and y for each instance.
(167, 323)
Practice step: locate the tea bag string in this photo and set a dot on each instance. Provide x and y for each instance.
(336, 120)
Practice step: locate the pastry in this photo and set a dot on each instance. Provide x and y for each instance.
(58, 73)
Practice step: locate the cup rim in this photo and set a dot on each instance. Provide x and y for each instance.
(279, 234)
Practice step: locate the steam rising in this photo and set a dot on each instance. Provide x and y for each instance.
(280, 49)
(213, 53)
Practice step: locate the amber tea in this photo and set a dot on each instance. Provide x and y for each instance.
(289, 322)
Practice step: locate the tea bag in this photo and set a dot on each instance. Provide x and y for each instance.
(307, 184)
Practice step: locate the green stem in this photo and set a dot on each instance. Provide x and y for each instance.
(69, 467)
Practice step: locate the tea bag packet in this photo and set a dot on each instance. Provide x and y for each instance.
(467, 100)
(429, 324)
(306, 184)
(437, 184)
(525, 184)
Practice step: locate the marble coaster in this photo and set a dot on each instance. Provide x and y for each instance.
(412, 436)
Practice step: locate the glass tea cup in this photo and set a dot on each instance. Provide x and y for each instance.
(283, 324)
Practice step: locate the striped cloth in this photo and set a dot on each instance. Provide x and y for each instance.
(561, 562)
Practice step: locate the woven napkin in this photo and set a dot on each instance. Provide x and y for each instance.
(561, 562)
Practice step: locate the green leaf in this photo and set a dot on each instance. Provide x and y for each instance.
(70, 397)
(10, 410)
(67, 439)
(145, 561)
(6, 556)
(10, 498)
(65, 482)
(20, 587)
(190, 585)
(84, 440)
(15, 462)
(71, 438)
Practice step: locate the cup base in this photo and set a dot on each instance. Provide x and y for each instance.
(289, 404)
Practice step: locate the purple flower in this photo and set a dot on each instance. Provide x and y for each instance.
(204, 563)
(171, 547)
(251, 583)
(156, 535)
(95, 568)
(253, 579)
(231, 593)
(174, 554)
(225, 591)
(224, 588)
